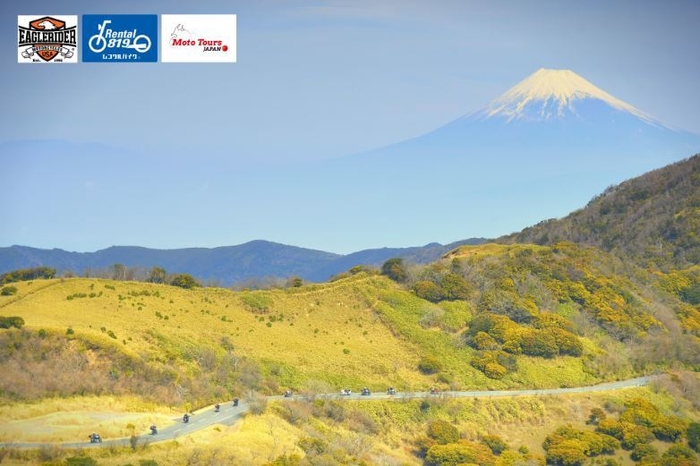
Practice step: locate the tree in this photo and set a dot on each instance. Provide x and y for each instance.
(157, 275)
(118, 272)
(295, 282)
(455, 287)
(184, 280)
(395, 269)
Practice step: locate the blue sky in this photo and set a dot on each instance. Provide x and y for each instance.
(314, 80)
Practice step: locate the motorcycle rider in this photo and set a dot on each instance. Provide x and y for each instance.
(186, 418)
(154, 429)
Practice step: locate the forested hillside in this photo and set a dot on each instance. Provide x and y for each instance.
(653, 219)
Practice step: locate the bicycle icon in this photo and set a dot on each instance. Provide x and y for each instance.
(98, 42)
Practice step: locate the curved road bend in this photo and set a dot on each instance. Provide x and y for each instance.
(229, 414)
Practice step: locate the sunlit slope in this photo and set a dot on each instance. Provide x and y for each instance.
(330, 332)
(534, 316)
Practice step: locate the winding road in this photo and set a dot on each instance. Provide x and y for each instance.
(229, 414)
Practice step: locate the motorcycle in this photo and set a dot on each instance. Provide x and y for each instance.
(366, 392)
(391, 391)
(154, 429)
(217, 408)
(95, 438)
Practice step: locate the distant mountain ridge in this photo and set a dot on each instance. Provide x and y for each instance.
(226, 265)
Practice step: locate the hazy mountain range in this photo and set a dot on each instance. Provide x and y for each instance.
(224, 265)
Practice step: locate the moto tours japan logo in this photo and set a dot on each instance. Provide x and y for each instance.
(120, 38)
(47, 39)
(198, 38)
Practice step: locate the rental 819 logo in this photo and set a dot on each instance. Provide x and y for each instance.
(120, 38)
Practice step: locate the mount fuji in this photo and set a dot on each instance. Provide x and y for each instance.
(542, 149)
(555, 121)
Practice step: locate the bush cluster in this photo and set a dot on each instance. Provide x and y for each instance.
(27, 274)
(12, 321)
(494, 335)
(8, 291)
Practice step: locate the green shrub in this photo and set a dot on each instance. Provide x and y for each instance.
(610, 427)
(495, 443)
(568, 446)
(645, 451)
(148, 463)
(27, 274)
(494, 364)
(442, 432)
(462, 453)
(538, 343)
(81, 461)
(678, 455)
(567, 453)
(493, 370)
(455, 287)
(184, 280)
(256, 302)
(669, 428)
(483, 341)
(633, 435)
(429, 365)
(693, 434)
(12, 321)
(426, 289)
(596, 416)
(8, 291)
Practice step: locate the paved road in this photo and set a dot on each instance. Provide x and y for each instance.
(229, 414)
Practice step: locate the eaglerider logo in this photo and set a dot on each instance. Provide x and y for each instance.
(47, 39)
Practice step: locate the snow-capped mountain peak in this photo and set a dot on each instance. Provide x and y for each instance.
(550, 94)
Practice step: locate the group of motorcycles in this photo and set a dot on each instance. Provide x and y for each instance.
(96, 438)
(366, 391)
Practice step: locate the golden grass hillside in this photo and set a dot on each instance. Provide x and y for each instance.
(326, 333)
(192, 346)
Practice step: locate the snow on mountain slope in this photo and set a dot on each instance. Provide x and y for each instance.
(549, 94)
